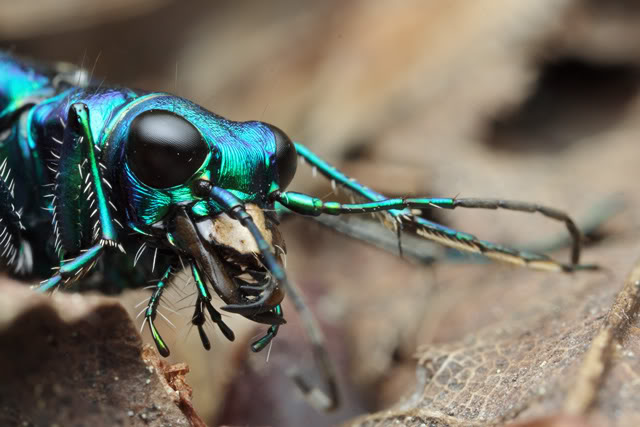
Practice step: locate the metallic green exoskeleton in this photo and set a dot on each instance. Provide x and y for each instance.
(91, 177)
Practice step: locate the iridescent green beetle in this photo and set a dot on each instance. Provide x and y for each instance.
(120, 171)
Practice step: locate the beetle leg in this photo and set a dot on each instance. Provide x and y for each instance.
(82, 216)
(15, 252)
(73, 269)
(82, 187)
(152, 309)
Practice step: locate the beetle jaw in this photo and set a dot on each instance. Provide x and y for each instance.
(226, 252)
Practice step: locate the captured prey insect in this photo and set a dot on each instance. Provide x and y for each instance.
(91, 177)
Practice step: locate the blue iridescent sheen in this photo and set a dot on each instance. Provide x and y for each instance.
(241, 158)
(91, 176)
(64, 150)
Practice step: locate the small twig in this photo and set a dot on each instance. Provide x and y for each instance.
(583, 395)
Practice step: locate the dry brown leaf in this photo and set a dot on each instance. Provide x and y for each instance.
(416, 84)
(76, 360)
(524, 363)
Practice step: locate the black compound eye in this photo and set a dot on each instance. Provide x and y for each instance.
(164, 149)
(286, 157)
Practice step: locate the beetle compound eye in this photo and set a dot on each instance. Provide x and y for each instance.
(163, 149)
(286, 157)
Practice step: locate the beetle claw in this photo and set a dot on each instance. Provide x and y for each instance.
(271, 295)
(268, 318)
(250, 309)
(252, 290)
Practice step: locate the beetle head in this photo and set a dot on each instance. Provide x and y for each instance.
(170, 148)
(167, 147)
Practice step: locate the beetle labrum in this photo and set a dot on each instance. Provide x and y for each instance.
(92, 176)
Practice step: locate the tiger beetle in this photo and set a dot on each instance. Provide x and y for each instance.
(91, 177)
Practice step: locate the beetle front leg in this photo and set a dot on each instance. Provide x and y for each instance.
(82, 218)
(73, 269)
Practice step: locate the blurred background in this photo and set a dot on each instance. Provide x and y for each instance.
(487, 98)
